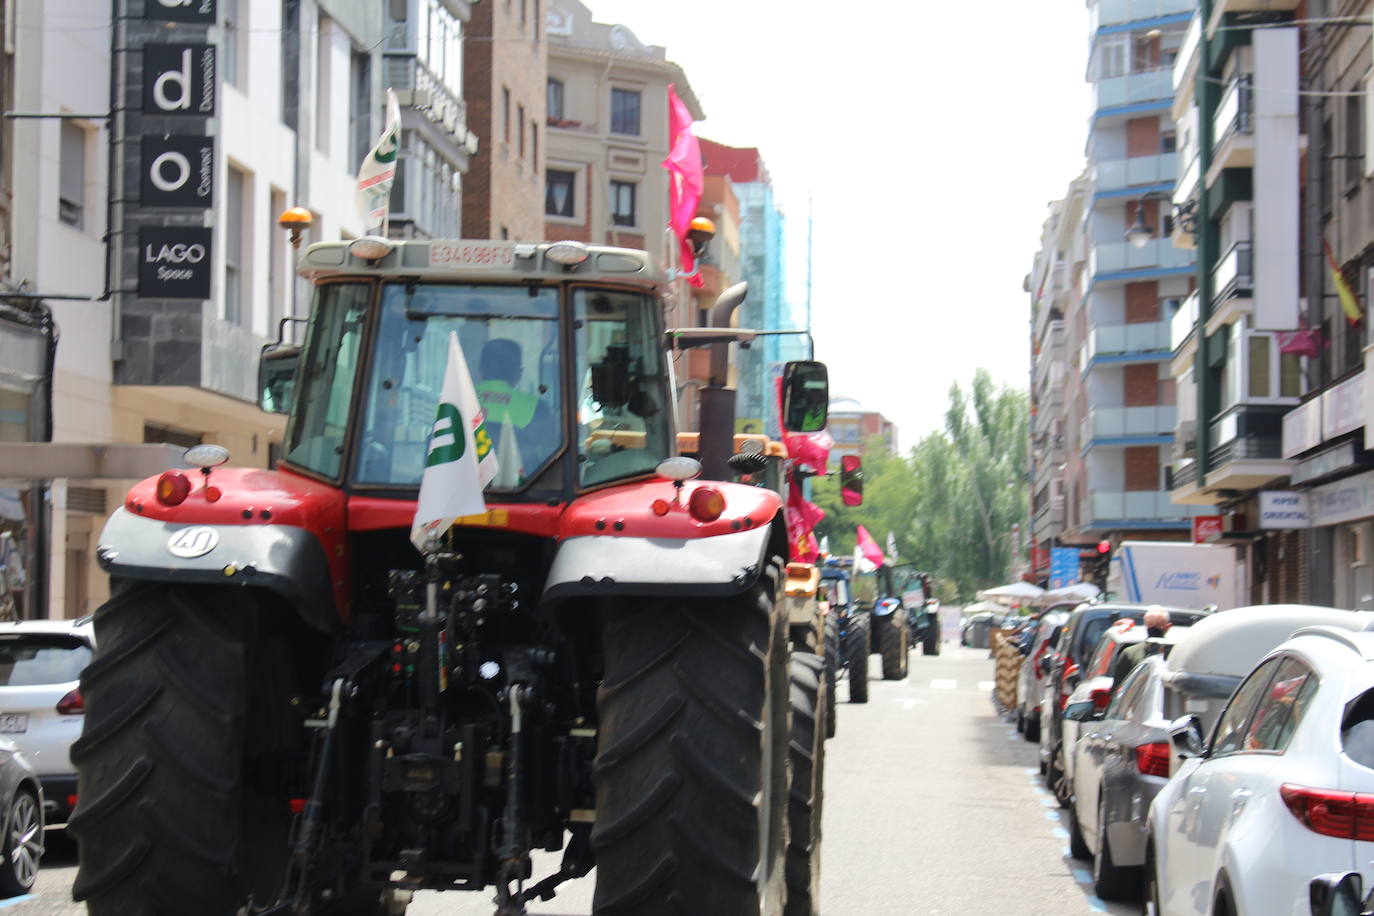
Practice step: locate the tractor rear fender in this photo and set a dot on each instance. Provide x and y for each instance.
(283, 559)
(615, 566)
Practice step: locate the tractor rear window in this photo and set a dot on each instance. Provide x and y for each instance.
(30, 661)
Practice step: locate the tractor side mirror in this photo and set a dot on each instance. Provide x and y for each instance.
(277, 376)
(852, 480)
(805, 396)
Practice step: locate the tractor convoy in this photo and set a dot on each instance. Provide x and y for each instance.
(293, 710)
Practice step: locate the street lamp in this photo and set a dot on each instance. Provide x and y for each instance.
(1140, 235)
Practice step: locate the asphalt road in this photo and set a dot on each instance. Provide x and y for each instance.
(933, 806)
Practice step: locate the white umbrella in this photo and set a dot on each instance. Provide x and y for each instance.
(1015, 591)
(1078, 591)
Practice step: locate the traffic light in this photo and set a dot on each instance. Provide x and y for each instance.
(1101, 565)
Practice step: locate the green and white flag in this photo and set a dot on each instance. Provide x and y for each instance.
(460, 461)
(378, 172)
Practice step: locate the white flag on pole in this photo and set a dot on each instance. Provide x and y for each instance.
(460, 461)
(378, 172)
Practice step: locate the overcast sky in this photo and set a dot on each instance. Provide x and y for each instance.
(930, 137)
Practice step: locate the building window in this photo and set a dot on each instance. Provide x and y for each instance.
(71, 200)
(505, 115)
(559, 196)
(623, 203)
(360, 106)
(555, 99)
(1168, 142)
(1354, 144)
(277, 280)
(534, 147)
(323, 77)
(235, 302)
(521, 127)
(290, 62)
(625, 112)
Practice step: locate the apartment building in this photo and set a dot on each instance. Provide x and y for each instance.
(505, 82)
(231, 112)
(1102, 303)
(1237, 205)
(853, 428)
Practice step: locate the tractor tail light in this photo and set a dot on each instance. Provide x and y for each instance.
(172, 488)
(1347, 815)
(72, 704)
(1153, 759)
(1101, 697)
(706, 504)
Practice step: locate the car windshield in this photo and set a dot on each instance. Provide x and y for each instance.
(509, 337)
(32, 660)
(623, 428)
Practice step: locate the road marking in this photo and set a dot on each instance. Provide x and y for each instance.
(942, 684)
(986, 685)
(13, 900)
(1082, 875)
(907, 704)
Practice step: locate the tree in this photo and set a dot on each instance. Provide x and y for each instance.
(952, 501)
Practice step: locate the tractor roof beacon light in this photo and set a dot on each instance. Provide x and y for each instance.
(296, 220)
(700, 231)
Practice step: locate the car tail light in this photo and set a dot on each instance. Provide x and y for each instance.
(1101, 697)
(297, 805)
(172, 488)
(1348, 815)
(706, 504)
(71, 704)
(1153, 759)
(71, 802)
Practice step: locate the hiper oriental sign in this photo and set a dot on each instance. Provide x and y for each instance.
(1280, 509)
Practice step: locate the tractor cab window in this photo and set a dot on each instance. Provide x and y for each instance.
(623, 427)
(328, 369)
(510, 341)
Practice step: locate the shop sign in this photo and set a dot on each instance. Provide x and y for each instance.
(1342, 501)
(1280, 509)
(1063, 567)
(179, 11)
(178, 171)
(179, 80)
(1302, 428)
(174, 262)
(1343, 407)
(1206, 528)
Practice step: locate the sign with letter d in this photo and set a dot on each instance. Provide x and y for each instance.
(179, 80)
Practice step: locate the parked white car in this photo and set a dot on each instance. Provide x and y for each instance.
(40, 701)
(1283, 790)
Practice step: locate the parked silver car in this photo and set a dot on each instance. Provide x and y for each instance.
(21, 821)
(1030, 686)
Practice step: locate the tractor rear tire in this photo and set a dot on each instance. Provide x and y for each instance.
(894, 642)
(186, 690)
(691, 770)
(854, 653)
(807, 792)
(832, 667)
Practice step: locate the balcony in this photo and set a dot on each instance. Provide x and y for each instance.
(1184, 323)
(1222, 8)
(1133, 88)
(1119, 174)
(1116, 510)
(1122, 425)
(1233, 141)
(1185, 65)
(416, 87)
(1142, 342)
(1246, 448)
(1116, 257)
(1119, 12)
(1049, 519)
(1231, 278)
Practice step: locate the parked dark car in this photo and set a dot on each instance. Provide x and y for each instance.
(1077, 641)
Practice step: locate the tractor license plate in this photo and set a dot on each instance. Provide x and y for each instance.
(12, 723)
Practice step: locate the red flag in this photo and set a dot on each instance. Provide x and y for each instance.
(802, 518)
(686, 177)
(1309, 342)
(869, 547)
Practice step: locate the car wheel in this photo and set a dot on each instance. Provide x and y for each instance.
(1020, 720)
(1078, 847)
(23, 844)
(1032, 732)
(1111, 881)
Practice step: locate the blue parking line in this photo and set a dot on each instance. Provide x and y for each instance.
(1097, 904)
(1082, 875)
(1059, 833)
(20, 899)
(1051, 816)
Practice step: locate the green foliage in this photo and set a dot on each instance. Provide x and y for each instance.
(952, 501)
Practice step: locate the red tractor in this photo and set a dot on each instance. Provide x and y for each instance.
(291, 710)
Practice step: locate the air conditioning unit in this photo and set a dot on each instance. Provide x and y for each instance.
(1185, 439)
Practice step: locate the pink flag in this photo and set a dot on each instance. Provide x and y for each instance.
(686, 176)
(871, 551)
(802, 518)
(1305, 341)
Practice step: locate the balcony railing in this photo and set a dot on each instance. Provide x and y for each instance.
(1184, 475)
(1121, 422)
(1184, 322)
(1188, 179)
(1147, 505)
(1145, 86)
(1109, 257)
(1118, 12)
(1233, 113)
(1246, 448)
(422, 91)
(1231, 276)
(1192, 40)
(1116, 174)
(1144, 337)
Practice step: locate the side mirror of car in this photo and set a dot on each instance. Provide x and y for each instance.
(1079, 712)
(1336, 894)
(1185, 733)
(1044, 665)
